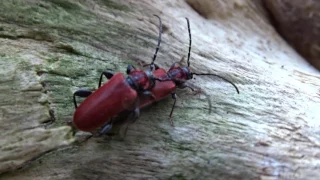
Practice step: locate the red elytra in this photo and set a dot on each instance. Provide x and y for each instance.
(160, 90)
(115, 96)
(106, 102)
(119, 94)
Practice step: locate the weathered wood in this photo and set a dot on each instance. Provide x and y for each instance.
(51, 48)
(298, 23)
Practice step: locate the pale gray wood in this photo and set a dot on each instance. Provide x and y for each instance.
(50, 49)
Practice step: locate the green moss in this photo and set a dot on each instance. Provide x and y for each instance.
(55, 80)
(14, 33)
(65, 4)
(18, 11)
(74, 24)
(51, 60)
(29, 13)
(68, 48)
(25, 66)
(76, 60)
(113, 5)
(69, 57)
(177, 176)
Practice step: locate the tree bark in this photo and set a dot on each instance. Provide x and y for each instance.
(49, 49)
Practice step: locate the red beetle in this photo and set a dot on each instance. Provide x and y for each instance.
(160, 90)
(176, 76)
(118, 94)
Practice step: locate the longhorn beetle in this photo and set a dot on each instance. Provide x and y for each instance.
(176, 76)
(115, 96)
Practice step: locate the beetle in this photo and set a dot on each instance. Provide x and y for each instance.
(175, 77)
(118, 94)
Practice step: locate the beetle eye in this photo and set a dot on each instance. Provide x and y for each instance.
(190, 75)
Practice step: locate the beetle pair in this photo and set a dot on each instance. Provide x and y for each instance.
(139, 89)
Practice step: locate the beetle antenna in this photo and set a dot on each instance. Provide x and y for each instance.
(188, 62)
(201, 74)
(159, 40)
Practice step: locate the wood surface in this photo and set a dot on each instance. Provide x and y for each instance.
(49, 49)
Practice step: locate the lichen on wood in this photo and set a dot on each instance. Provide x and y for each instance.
(49, 49)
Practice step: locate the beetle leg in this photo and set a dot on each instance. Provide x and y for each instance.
(80, 93)
(130, 120)
(130, 68)
(194, 91)
(136, 114)
(155, 66)
(177, 63)
(107, 127)
(107, 74)
(174, 96)
(184, 85)
(182, 60)
(148, 94)
(174, 65)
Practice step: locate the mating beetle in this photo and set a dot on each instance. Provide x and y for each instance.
(176, 76)
(115, 96)
(139, 89)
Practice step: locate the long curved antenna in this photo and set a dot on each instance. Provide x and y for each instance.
(188, 62)
(219, 77)
(159, 40)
